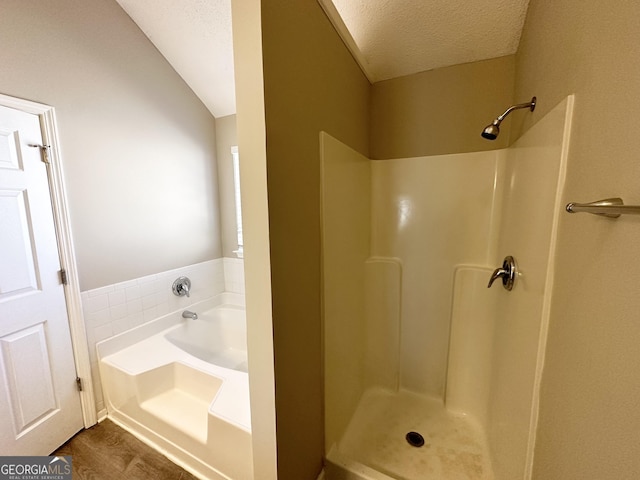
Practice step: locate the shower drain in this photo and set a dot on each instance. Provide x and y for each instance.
(415, 439)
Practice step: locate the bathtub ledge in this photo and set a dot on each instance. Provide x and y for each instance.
(231, 401)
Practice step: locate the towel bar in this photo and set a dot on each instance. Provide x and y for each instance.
(609, 207)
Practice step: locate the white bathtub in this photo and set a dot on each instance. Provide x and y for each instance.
(181, 385)
(218, 336)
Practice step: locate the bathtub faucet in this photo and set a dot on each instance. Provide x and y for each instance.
(188, 314)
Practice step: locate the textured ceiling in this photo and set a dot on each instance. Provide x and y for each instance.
(389, 38)
(195, 38)
(393, 38)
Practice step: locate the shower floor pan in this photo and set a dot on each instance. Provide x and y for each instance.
(375, 447)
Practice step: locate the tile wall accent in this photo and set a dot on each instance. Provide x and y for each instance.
(234, 275)
(116, 308)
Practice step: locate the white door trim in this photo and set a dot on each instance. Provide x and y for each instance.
(65, 246)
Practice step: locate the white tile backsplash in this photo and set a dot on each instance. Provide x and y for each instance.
(234, 275)
(133, 293)
(117, 297)
(113, 309)
(125, 285)
(92, 304)
(134, 306)
(98, 318)
(118, 311)
(103, 332)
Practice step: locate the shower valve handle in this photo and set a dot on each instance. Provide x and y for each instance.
(507, 273)
(181, 287)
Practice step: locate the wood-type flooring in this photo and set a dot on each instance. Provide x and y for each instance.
(106, 451)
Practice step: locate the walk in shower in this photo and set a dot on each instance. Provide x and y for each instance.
(429, 374)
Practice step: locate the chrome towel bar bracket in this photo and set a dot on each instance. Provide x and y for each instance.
(609, 207)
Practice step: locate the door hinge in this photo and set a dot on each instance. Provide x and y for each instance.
(79, 383)
(45, 149)
(63, 277)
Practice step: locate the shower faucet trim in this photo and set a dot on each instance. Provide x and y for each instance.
(508, 273)
(181, 287)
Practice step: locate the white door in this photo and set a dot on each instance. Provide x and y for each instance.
(39, 401)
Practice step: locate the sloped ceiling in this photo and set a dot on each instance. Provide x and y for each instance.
(195, 38)
(388, 38)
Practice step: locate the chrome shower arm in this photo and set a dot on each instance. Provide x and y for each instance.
(531, 105)
(492, 130)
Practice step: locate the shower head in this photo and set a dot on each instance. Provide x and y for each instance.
(492, 130)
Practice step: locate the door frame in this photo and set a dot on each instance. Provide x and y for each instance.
(66, 249)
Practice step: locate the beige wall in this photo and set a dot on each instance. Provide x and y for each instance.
(311, 84)
(441, 111)
(590, 421)
(138, 146)
(226, 137)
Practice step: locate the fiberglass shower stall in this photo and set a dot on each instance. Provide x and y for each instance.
(429, 374)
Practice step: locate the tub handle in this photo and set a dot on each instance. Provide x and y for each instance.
(181, 287)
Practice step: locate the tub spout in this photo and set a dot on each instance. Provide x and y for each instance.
(189, 314)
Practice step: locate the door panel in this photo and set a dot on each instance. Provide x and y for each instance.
(18, 273)
(26, 364)
(39, 403)
(9, 144)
